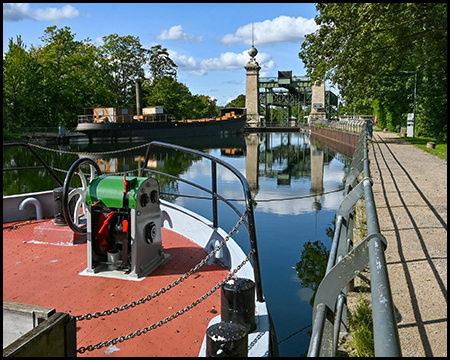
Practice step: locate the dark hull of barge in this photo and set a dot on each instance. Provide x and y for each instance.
(163, 130)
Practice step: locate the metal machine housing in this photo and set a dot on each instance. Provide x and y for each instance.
(135, 244)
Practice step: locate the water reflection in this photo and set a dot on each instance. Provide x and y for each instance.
(312, 266)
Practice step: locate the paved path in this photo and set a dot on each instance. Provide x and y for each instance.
(410, 192)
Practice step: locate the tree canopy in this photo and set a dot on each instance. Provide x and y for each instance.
(50, 84)
(365, 48)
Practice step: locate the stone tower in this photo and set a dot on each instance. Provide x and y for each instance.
(252, 89)
(318, 102)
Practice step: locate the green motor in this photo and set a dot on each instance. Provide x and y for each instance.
(114, 191)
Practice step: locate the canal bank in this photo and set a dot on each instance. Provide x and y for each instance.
(410, 193)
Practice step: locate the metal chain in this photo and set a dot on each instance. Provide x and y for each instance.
(131, 335)
(88, 153)
(132, 304)
(113, 173)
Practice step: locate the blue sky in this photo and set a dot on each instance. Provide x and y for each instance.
(208, 42)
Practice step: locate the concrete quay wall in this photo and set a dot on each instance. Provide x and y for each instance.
(341, 141)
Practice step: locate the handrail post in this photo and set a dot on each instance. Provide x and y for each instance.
(214, 192)
(254, 247)
(386, 338)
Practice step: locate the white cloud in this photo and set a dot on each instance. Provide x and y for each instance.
(269, 32)
(175, 33)
(226, 61)
(17, 12)
(99, 41)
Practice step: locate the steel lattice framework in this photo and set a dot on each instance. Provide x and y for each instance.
(287, 91)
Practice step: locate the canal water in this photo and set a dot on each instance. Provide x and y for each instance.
(296, 184)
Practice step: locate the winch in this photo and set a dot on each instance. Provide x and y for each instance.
(123, 222)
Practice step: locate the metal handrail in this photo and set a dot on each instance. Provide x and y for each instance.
(215, 196)
(38, 158)
(345, 263)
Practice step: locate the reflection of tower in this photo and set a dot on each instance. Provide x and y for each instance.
(251, 162)
(316, 175)
(252, 88)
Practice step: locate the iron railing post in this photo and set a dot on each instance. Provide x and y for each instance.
(386, 338)
(214, 192)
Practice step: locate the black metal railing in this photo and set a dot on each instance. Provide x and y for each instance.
(249, 223)
(38, 158)
(345, 263)
(90, 118)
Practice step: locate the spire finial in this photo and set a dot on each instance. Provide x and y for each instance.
(252, 52)
(253, 37)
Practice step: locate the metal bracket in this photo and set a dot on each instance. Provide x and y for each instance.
(335, 280)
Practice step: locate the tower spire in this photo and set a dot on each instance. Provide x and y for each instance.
(253, 33)
(253, 52)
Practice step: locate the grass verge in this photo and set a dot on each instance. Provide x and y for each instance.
(361, 326)
(421, 142)
(359, 341)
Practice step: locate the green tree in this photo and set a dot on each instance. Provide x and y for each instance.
(161, 64)
(168, 92)
(22, 78)
(67, 70)
(122, 60)
(238, 102)
(362, 47)
(203, 106)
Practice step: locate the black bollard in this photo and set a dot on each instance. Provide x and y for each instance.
(58, 205)
(226, 340)
(57, 198)
(238, 302)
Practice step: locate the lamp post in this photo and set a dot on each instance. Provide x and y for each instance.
(415, 90)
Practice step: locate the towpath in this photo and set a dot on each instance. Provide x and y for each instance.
(410, 192)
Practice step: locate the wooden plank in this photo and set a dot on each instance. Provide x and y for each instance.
(47, 339)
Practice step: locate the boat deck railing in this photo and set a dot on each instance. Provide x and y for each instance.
(37, 157)
(345, 263)
(105, 119)
(215, 196)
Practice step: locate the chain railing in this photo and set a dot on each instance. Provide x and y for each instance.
(168, 287)
(345, 263)
(169, 318)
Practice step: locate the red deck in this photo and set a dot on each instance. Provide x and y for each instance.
(48, 275)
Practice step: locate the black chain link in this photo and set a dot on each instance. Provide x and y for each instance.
(132, 304)
(88, 153)
(114, 341)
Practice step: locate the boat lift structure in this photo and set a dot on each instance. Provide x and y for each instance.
(287, 91)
